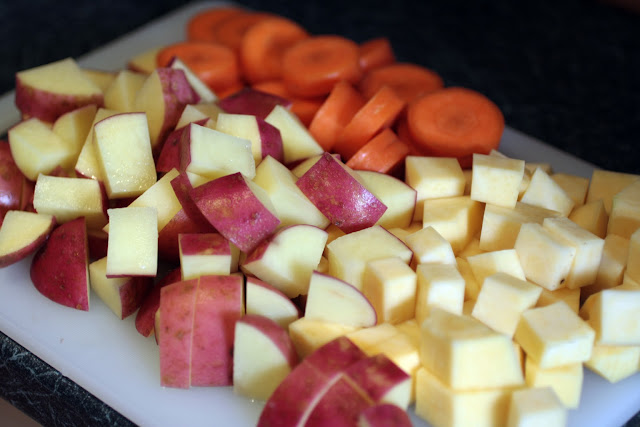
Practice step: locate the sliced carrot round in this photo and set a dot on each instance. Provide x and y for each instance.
(263, 46)
(337, 110)
(383, 153)
(314, 65)
(216, 65)
(203, 25)
(231, 31)
(410, 81)
(376, 53)
(378, 113)
(455, 122)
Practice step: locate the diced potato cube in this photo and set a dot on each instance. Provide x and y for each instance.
(439, 285)
(612, 265)
(633, 257)
(604, 184)
(614, 314)
(429, 246)
(570, 296)
(489, 263)
(554, 336)
(390, 285)
(566, 381)
(308, 335)
(539, 406)
(591, 216)
(471, 285)
(496, 180)
(614, 363)
(624, 218)
(575, 186)
(546, 193)
(366, 338)
(457, 219)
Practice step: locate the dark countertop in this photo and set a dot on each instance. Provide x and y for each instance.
(565, 72)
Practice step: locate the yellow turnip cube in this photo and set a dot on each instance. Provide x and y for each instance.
(604, 184)
(575, 186)
(624, 218)
(439, 285)
(612, 265)
(308, 335)
(366, 338)
(570, 296)
(546, 193)
(633, 257)
(471, 285)
(538, 406)
(496, 180)
(554, 335)
(591, 216)
(489, 263)
(432, 178)
(390, 285)
(566, 381)
(502, 300)
(442, 406)
(614, 314)
(614, 363)
(429, 246)
(465, 354)
(545, 258)
(457, 219)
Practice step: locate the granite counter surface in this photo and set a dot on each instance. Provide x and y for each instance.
(566, 73)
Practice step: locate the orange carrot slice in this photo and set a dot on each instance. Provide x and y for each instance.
(263, 46)
(410, 81)
(378, 113)
(338, 109)
(203, 25)
(455, 122)
(383, 153)
(231, 31)
(314, 65)
(376, 53)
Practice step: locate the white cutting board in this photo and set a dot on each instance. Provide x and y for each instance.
(111, 360)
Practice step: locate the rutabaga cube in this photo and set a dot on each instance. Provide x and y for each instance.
(441, 405)
(546, 193)
(502, 300)
(486, 264)
(588, 246)
(367, 338)
(575, 186)
(429, 246)
(624, 219)
(465, 354)
(457, 219)
(309, 335)
(633, 257)
(566, 380)
(432, 178)
(471, 285)
(496, 180)
(604, 184)
(390, 285)
(133, 242)
(614, 363)
(591, 216)
(397, 196)
(554, 336)
(536, 406)
(614, 314)
(570, 296)
(546, 259)
(439, 285)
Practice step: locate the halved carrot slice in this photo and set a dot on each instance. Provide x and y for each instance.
(410, 81)
(231, 31)
(383, 153)
(203, 25)
(376, 53)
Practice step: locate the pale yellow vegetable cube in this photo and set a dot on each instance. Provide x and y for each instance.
(502, 300)
(614, 363)
(546, 259)
(465, 354)
(411, 329)
(133, 242)
(546, 193)
(471, 285)
(390, 285)
(457, 219)
(624, 218)
(591, 216)
(532, 166)
(500, 225)
(439, 285)
(432, 178)
(566, 381)
(612, 265)
(575, 186)
(554, 335)
(309, 335)
(633, 256)
(472, 248)
(366, 338)
(496, 180)
(402, 350)
(614, 314)
(442, 406)
(570, 296)
(588, 250)
(604, 184)
(489, 263)
(429, 246)
(534, 407)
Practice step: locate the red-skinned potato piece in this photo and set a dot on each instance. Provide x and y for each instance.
(145, 318)
(384, 415)
(59, 270)
(168, 237)
(169, 156)
(23, 233)
(236, 209)
(182, 186)
(12, 181)
(253, 102)
(340, 196)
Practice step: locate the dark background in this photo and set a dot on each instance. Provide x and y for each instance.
(565, 72)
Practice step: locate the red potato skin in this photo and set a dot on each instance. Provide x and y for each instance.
(11, 181)
(168, 237)
(181, 187)
(231, 208)
(48, 106)
(253, 102)
(376, 376)
(219, 305)
(133, 293)
(59, 268)
(145, 318)
(384, 415)
(339, 196)
(340, 406)
(169, 156)
(271, 140)
(33, 247)
(97, 241)
(175, 331)
(204, 244)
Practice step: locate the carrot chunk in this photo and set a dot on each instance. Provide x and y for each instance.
(376, 53)
(231, 31)
(203, 25)
(383, 153)
(410, 81)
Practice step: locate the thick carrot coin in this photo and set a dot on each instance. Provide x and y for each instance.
(216, 65)
(378, 113)
(383, 153)
(231, 31)
(314, 65)
(455, 122)
(376, 53)
(263, 46)
(203, 25)
(304, 108)
(338, 109)
(410, 81)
